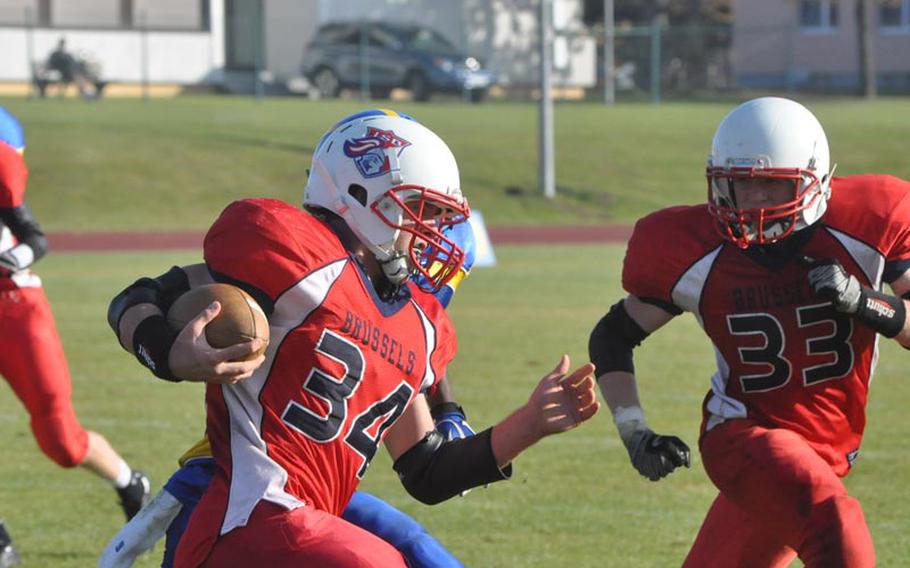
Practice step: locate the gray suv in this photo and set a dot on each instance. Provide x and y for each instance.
(387, 56)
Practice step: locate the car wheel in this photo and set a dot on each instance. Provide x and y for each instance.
(419, 87)
(326, 82)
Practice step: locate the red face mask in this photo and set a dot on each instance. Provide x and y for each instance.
(758, 225)
(426, 213)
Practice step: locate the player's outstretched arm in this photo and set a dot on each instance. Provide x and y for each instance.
(614, 337)
(433, 469)
(560, 402)
(137, 317)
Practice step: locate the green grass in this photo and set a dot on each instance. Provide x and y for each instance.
(574, 501)
(173, 164)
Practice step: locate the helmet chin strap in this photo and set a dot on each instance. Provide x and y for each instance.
(396, 268)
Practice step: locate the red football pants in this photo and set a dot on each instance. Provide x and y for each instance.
(301, 538)
(778, 499)
(33, 363)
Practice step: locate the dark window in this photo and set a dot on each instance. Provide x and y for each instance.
(337, 34)
(818, 14)
(894, 13)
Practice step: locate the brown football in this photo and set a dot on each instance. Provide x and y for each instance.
(241, 318)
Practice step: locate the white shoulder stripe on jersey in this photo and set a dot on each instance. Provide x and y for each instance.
(254, 475)
(872, 263)
(429, 333)
(687, 292)
(870, 260)
(721, 406)
(687, 295)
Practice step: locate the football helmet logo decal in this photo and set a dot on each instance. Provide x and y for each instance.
(369, 152)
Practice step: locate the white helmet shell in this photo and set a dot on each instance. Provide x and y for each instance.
(368, 165)
(772, 137)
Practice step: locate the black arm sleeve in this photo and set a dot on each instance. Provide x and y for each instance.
(26, 229)
(160, 291)
(613, 339)
(153, 337)
(435, 470)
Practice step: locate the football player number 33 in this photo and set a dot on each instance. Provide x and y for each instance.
(834, 344)
(325, 426)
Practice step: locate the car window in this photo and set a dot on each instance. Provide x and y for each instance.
(382, 38)
(338, 35)
(424, 39)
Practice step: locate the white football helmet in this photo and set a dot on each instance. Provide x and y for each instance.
(768, 138)
(395, 183)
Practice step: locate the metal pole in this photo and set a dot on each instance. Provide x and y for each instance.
(547, 163)
(144, 54)
(364, 64)
(30, 49)
(655, 61)
(866, 10)
(609, 48)
(258, 87)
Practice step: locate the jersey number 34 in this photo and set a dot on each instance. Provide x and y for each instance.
(325, 426)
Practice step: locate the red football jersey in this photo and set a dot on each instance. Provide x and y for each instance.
(13, 175)
(784, 357)
(341, 366)
(13, 178)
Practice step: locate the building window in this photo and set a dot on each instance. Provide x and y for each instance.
(818, 15)
(176, 15)
(86, 14)
(894, 14)
(18, 12)
(169, 14)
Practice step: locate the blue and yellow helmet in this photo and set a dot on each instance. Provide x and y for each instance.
(11, 132)
(463, 236)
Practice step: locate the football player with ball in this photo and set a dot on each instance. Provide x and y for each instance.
(169, 511)
(354, 343)
(784, 269)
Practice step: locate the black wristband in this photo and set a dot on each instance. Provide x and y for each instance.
(882, 312)
(152, 342)
(446, 407)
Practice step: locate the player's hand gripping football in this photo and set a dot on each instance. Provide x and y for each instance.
(656, 456)
(830, 281)
(193, 359)
(563, 400)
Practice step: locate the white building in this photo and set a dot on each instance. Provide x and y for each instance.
(212, 42)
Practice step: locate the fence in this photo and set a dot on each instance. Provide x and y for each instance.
(651, 62)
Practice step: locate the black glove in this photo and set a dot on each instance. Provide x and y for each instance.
(8, 264)
(656, 456)
(830, 281)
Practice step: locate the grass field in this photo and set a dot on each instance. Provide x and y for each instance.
(172, 164)
(575, 500)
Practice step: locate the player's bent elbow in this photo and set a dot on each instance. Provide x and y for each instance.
(434, 470)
